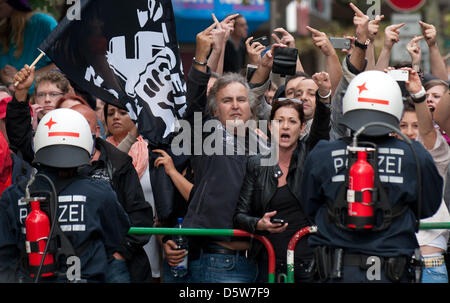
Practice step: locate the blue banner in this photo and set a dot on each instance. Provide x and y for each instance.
(193, 16)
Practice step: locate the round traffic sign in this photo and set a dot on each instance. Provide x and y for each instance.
(405, 5)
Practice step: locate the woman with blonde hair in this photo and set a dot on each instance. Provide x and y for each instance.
(21, 32)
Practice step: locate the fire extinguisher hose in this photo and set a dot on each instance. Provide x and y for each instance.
(52, 228)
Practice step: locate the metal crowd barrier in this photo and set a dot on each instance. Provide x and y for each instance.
(240, 233)
(212, 232)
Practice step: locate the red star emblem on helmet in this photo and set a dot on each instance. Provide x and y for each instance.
(50, 123)
(362, 87)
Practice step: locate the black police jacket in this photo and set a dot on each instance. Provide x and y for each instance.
(325, 173)
(88, 212)
(117, 168)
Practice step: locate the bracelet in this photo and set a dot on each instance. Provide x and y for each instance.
(324, 97)
(360, 45)
(199, 63)
(420, 96)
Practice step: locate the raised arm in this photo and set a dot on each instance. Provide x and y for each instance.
(361, 22)
(332, 64)
(373, 31)
(424, 119)
(391, 36)
(438, 67)
(18, 116)
(221, 33)
(413, 48)
(288, 40)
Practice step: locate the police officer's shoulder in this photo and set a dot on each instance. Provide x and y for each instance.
(324, 146)
(117, 157)
(95, 184)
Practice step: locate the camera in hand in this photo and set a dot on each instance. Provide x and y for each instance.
(263, 40)
(340, 43)
(284, 60)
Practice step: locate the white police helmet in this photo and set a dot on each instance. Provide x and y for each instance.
(372, 96)
(63, 139)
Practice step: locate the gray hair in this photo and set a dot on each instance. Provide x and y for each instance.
(224, 81)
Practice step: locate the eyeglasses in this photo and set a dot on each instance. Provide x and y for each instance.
(51, 95)
(288, 99)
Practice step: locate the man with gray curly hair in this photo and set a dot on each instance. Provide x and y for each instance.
(224, 118)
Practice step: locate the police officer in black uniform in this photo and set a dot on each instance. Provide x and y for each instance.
(385, 250)
(90, 221)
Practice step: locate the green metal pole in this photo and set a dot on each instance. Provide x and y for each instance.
(180, 231)
(210, 232)
(434, 225)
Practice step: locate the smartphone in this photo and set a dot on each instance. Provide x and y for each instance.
(340, 43)
(273, 220)
(399, 75)
(263, 40)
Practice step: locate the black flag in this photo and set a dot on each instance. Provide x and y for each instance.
(125, 53)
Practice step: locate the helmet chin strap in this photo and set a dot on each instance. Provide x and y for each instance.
(94, 137)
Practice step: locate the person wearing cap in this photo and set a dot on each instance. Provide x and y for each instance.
(382, 253)
(21, 32)
(88, 212)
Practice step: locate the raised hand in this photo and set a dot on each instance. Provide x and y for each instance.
(320, 40)
(267, 59)
(352, 45)
(322, 80)
(361, 22)
(413, 84)
(203, 43)
(286, 38)
(254, 51)
(374, 26)
(391, 34)
(219, 34)
(429, 33)
(413, 49)
(23, 80)
(24, 77)
(228, 24)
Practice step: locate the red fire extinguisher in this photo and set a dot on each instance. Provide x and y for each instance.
(37, 226)
(359, 194)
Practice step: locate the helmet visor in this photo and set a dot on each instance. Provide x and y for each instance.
(62, 156)
(357, 118)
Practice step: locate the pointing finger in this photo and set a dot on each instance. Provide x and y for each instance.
(357, 11)
(313, 30)
(216, 21)
(397, 26)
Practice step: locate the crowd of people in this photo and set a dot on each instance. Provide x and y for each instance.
(88, 157)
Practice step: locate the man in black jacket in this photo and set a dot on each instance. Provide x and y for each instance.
(111, 164)
(218, 176)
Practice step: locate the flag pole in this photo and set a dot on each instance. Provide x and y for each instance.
(33, 64)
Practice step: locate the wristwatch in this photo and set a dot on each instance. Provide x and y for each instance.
(362, 46)
(420, 96)
(199, 63)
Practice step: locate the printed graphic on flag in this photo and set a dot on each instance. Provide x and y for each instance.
(125, 53)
